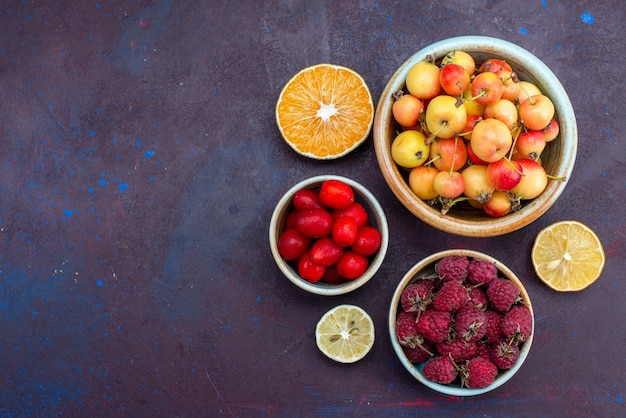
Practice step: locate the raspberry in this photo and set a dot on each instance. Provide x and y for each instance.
(440, 370)
(420, 353)
(453, 267)
(434, 325)
(492, 330)
(482, 350)
(502, 293)
(406, 330)
(481, 272)
(477, 297)
(478, 373)
(517, 323)
(451, 297)
(470, 323)
(459, 350)
(416, 297)
(504, 354)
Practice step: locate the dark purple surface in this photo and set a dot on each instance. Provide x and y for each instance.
(139, 167)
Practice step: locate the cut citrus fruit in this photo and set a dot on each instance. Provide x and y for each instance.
(345, 333)
(568, 256)
(325, 111)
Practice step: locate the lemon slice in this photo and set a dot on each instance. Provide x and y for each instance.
(345, 333)
(568, 256)
(325, 111)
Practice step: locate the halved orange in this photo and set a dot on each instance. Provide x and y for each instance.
(568, 256)
(325, 111)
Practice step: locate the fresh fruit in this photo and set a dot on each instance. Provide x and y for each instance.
(448, 154)
(429, 313)
(461, 58)
(406, 330)
(308, 270)
(345, 333)
(470, 323)
(325, 111)
(407, 109)
(314, 222)
(481, 272)
(502, 294)
(306, 199)
(504, 354)
(533, 182)
(491, 140)
(499, 111)
(434, 325)
(517, 324)
(449, 184)
(292, 245)
(454, 267)
(487, 88)
(454, 79)
(422, 80)
(325, 252)
(421, 181)
(326, 234)
(367, 241)
(537, 111)
(355, 211)
(440, 369)
(444, 118)
(479, 373)
(416, 297)
(504, 174)
(568, 256)
(352, 265)
(409, 149)
(344, 231)
(451, 297)
(498, 205)
(336, 194)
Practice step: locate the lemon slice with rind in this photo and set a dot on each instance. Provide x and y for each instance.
(345, 333)
(568, 256)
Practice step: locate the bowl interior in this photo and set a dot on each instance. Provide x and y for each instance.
(558, 158)
(425, 268)
(376, 217)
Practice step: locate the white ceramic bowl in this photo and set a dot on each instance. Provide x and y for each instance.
(376, 217)
(558, 158)
(425, 268)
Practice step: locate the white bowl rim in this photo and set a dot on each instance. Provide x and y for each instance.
(324, 288)
(551, 86)
(504, 376)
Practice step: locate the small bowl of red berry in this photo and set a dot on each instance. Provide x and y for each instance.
(328, 235)
(461, 322)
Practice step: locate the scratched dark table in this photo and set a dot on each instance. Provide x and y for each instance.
(139, 166)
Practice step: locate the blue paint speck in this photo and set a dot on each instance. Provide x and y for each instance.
(523, 31)
(99, 283)
(138, 143)
(90, 190)
(102, 182)
(544, 3)
(123, 187)
(68, 212)
(148, 153)
(587, 18)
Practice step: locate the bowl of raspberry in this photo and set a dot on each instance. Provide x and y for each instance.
(442, 136)
(328, 235)
(461, 322)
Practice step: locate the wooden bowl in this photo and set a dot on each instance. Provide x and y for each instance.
(376, 217)
(426, 268)
(558, 158)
